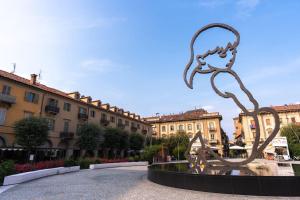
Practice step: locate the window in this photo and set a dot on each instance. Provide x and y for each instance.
(163, 128)
(120, 121)
(103, 116)
(31, 97)
(181, 128)
(190, 135)
(211, 125)
(112, 119)
(67, 107)
(212, 136)
(51, 124)
(28, 114)
(268, 122)
(138, 126)
(78, 128)
(190, 127)
(127, 123)
(6, 89)
(82, 110)
(52, 102)
(280, 120)
(66, 125)
(172, 128)
(92, 113)
(198, 127)
(293, 119)
(2, 115)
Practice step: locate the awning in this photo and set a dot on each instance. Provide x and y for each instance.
(235, 147)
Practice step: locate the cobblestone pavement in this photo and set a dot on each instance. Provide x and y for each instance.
(115, 183)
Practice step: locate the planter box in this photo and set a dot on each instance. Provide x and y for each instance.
(28, 176)
(122, 164)
(68, 169)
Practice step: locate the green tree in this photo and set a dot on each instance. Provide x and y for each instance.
(179, 151)
(292, 133)
(225, 143)
(31, 132)
(113, 140)
(90, 136)
(136, 141)
(180, 139)
(150, 152)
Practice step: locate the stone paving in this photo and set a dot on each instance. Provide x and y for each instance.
(115, 183)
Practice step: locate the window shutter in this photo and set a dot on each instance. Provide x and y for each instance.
(36, 98)
(26, 96)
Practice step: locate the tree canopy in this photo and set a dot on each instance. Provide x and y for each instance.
(292, 133)
(90, 136)
(31, 132)
(136, 141)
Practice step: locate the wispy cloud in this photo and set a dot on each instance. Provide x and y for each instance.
(101, 65)
(246, 7)
(212, 3)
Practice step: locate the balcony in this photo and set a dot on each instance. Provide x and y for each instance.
(66, 135)
(252, 126)
(144, 131)
(154, 133)
(104, 122)
(213, 141)
(83, 116)
(133, 128)
(121, 125)
(8, 99)
(212, 128)
(52, 109)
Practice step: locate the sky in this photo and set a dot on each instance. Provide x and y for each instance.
(132, 53)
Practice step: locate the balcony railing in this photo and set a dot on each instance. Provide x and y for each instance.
(212, 128)
(66, 135)
(144, 131)
(83, 116)
(52, 109)
(121, 125)
(213, 141)
(104, 122)
(7, 99)
(252, 126)
(134, 128)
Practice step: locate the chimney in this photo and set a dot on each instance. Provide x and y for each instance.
(33, 79)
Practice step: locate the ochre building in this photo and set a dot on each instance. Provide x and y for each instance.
(190, 122)
(65, 112)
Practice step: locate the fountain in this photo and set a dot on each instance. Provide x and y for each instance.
(247, 176)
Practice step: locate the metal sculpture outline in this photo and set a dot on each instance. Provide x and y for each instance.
(222, 52)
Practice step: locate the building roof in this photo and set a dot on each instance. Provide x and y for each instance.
(186, 116)
(287, 108)
(42, 87)
(282, 108)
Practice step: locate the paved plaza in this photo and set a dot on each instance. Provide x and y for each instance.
(114, 183)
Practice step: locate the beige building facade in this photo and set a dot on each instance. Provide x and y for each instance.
(191, 122)
(65, 112)
(288, 114)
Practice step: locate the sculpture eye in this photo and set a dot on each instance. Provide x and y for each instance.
(222, 54)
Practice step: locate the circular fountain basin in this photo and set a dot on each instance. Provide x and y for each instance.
(254, 179)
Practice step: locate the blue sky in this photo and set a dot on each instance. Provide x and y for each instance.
(132, 53)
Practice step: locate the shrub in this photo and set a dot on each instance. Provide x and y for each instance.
(136, 158)
(179, 150)
(131, 159)
(6, 168)
(85, 163)
(150, 152)
(70, 163)
(20, 168)
(97, 161)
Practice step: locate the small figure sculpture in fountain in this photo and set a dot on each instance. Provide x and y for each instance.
(223, 52)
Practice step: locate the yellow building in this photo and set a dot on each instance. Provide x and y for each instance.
(287, 114)
(65, 112)
(190, 122)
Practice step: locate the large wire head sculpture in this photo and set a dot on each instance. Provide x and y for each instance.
(223, 52)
